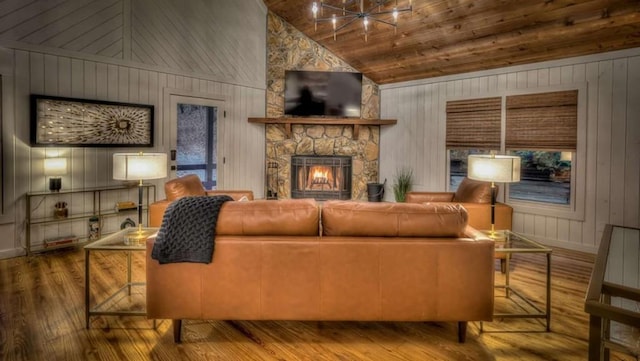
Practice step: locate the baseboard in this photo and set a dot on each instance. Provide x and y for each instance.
(11, 253)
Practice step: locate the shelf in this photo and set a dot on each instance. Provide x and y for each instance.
(95, 209)
(103, 213)
(356, 122)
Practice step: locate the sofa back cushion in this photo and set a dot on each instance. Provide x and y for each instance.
(376, 219)
(188, 185)
(473, 191)
(287, 217)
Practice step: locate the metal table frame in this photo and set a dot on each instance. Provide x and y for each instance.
(528, 246)
(112, 243)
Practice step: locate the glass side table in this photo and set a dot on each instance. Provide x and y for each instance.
(130, 299)
(509, 243)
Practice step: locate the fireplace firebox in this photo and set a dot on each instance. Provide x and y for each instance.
(321, 177)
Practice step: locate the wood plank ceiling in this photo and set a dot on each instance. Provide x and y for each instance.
(443, 37)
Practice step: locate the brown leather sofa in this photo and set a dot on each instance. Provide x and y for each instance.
(188, 185)
(342, 260)
(475, 197)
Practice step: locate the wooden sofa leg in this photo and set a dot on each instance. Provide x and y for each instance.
(462, 331)
(177, 330)
(503, 265)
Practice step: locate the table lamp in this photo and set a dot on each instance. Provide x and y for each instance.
(495, 169)
(138, 167)
(55, 167)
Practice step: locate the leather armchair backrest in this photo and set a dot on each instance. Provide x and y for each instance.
(376, 219)
(473, 191)
(188, 185)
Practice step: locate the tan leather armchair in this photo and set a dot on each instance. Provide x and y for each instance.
(475, 197)
(188, 185)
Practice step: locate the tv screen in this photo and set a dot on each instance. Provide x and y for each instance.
(322, 93)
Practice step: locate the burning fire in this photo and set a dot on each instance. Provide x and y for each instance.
(320, 175)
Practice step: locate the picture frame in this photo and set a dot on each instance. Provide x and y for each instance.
(71, 122)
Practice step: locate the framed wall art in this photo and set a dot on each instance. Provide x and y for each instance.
(68, 122)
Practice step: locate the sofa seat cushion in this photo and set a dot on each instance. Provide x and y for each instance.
(473, 191)
(287, 217)
(376, 219)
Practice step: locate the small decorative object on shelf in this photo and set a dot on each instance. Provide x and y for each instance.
(60, 210)
(59, 241)
(94, 228)
(123, 206)
(127, 223)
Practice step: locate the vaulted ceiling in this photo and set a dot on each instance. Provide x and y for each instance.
(443, 37)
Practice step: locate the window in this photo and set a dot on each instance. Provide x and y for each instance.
(541, 128)
(473, 127)
(544, 177)
(196, 143)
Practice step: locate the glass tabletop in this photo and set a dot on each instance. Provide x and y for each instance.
(509, 241)
(127, 239)
(623, 263)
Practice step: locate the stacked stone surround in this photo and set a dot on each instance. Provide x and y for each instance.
(289, 49)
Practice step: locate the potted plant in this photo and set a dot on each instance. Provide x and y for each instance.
(402, 183)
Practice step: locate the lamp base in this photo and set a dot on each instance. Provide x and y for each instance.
(55, 184)
(496, 236)
(136, 237)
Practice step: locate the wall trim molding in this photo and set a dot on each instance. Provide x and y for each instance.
(612, 55)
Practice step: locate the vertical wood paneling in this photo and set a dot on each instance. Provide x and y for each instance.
(632, 141)
(591, 146)
(121, 29)
(618, 144)
(612, 136)
(603, 157)
(90, 167)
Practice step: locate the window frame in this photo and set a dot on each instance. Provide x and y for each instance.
(575, 210)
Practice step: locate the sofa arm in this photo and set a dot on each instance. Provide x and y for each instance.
(423, 197)
(480, 215)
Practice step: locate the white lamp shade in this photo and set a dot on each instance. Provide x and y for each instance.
(494, 168)
(565, 156)
(139, 166)
(55, 166)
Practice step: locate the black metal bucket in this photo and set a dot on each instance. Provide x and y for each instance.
(375, 191)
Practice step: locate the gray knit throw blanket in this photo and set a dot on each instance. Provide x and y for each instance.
(188, 230)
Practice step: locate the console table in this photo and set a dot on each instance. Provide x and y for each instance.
(93, 201)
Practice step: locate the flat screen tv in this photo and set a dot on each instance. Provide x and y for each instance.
(322, 93)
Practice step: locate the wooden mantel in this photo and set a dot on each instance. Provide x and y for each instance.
(356, 122)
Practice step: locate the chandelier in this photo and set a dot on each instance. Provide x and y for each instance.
(343, 16)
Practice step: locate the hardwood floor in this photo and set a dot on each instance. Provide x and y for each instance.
(42, 318)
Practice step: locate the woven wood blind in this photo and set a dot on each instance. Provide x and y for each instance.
(544, 121)
(474, 123)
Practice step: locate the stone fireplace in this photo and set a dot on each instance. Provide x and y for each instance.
(321, 177)
(289, 49)
(324, 140)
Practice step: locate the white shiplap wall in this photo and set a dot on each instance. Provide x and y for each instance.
(31, 64)
(612, 156)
